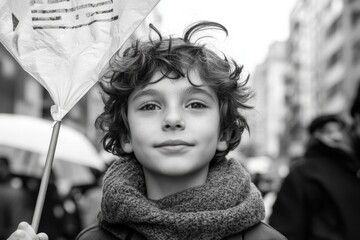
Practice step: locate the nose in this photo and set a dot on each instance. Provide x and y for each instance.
(173, 120)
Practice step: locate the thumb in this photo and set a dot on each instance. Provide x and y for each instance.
(42, 236)
(24, 231)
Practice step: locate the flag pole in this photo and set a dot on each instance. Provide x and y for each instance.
(45, 177)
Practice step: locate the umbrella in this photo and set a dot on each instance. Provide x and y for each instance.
(30, 136)
(33, 134)
(68, 174)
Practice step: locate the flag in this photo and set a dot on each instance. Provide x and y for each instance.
(65, 44)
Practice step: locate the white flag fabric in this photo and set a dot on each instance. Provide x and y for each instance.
(65, 44)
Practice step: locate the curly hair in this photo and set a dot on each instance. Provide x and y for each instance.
(174, 58)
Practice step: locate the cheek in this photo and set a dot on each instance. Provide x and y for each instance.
(141, 130)
(209, 128)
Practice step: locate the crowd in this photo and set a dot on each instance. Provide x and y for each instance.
(63, 216)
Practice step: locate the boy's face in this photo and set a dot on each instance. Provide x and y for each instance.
(174, 126)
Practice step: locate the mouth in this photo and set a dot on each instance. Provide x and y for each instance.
(173, 143)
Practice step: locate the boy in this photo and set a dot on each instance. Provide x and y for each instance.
(171, 115)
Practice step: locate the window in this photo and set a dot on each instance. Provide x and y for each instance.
(333, 91)
(355, 18)
(334, 59)
(356, 52)
(334, 27)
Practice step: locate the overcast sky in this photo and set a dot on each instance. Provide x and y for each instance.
(253, 24)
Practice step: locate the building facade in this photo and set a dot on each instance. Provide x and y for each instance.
(322, 72)
(269, 83)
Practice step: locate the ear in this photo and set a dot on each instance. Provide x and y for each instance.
(222, 144)
(126, 144)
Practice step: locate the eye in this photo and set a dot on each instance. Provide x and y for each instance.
(197, 105)
(150, 107)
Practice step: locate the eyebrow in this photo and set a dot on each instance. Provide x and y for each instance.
(199, 90)
(147, 92)
(188, 91)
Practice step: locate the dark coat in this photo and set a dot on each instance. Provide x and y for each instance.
(260, 231)
(320, 198)
(13, 209)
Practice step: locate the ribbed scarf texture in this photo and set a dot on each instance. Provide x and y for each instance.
(226, 204)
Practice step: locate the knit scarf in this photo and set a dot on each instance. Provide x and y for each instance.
(226, 204)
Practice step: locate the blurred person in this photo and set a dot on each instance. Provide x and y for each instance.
(89, 200)
(13, 202)
(355, 127)
(60, 217)
(57, 217)
(320, 198)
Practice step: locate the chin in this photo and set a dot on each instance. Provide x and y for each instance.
(176, 171)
